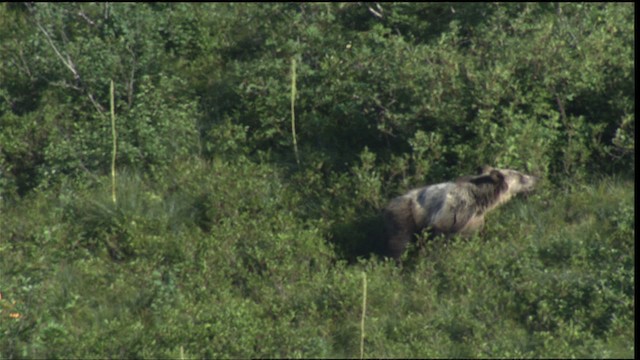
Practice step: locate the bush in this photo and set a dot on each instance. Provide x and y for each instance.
(222, 244)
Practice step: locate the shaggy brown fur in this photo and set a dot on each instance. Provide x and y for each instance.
(450, 208)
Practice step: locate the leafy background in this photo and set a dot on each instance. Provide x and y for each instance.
(222, 245)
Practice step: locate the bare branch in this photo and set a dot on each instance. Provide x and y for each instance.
(86, 18)
(66, 85)
(131, 80)
(68, 63)
(377, 13)
(563, 114)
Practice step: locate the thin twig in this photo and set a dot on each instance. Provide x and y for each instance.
(376, 13)
(66, 60)
(293, 114)
(86, 18)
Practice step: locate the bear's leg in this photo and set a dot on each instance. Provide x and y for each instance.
(474, 225)
(397, 244)
(399, 226)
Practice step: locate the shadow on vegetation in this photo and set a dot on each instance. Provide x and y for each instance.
(360, 238)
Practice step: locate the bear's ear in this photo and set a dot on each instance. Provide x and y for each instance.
(496, 176)
(486, 169)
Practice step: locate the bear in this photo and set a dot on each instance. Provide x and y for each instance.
(450, 208)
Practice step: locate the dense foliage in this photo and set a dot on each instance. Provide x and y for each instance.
(243, 228)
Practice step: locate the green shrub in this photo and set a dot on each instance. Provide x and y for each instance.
(221, 244)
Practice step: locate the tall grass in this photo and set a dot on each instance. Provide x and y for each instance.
(550, 276)
(364, 312)
(114, 136)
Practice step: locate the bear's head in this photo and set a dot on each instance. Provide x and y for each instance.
(490, 183)
(507, 182)
(516, 181)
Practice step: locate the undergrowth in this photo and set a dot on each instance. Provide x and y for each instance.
(218, 263)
